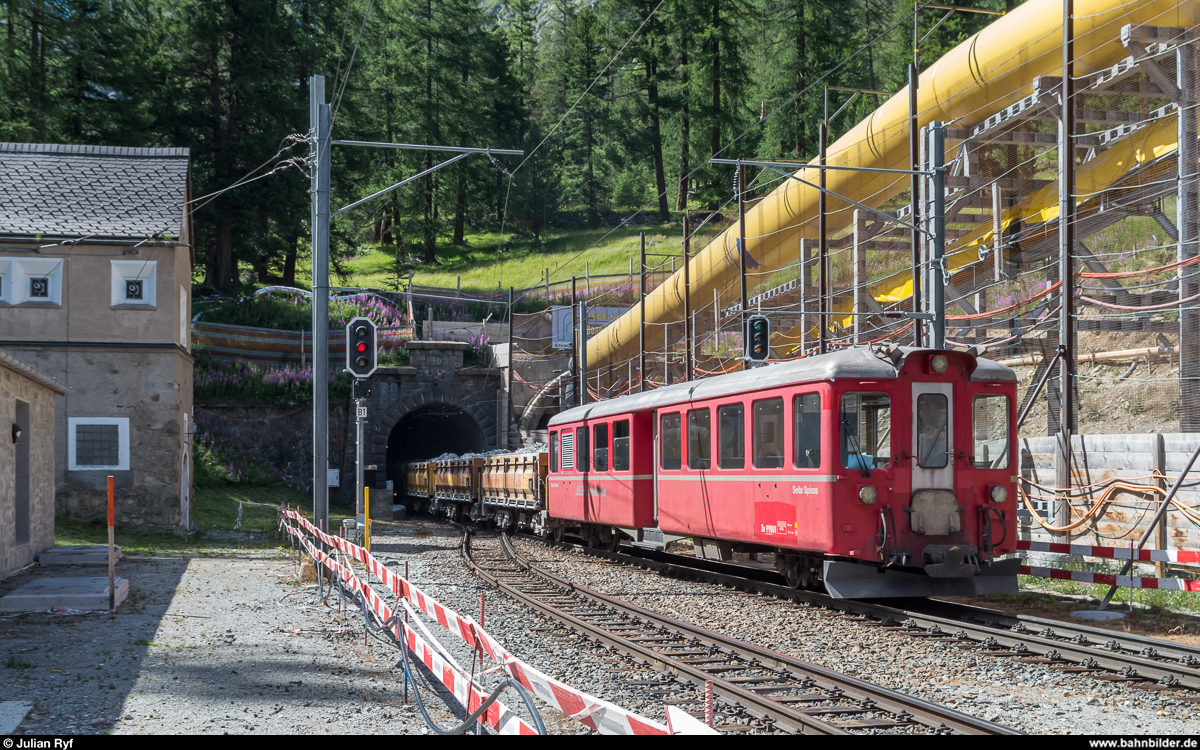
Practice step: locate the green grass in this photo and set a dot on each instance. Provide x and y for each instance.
(214, 510)
(1157, 600)
(482, 264)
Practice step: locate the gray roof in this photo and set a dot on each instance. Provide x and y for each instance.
(855, 362)
(105, 192)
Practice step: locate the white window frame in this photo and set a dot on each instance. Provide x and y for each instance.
(122, 424)
(5, 283)
(16, 273)
(145, 271)
(184, 321)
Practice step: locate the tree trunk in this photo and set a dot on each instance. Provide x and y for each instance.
(801, 74)
(220, 269)
(660, 175)
(396, 236)
(430, 240)
(289, 260)
(460, 211)
(716, 92)
(681, 197)
(430, 211)
(500, 198)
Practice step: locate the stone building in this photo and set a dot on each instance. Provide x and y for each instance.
(95, 284)
(26, 462)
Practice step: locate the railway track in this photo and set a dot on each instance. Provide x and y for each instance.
(1145, 662)
(756, 689)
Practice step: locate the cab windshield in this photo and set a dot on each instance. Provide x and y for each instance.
(866, 425)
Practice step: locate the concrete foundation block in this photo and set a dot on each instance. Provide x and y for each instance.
(89, 593)
(77, 554)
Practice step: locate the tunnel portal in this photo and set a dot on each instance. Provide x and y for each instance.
(429, 431)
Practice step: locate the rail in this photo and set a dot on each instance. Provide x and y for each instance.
(1054, 643)
(792, 695)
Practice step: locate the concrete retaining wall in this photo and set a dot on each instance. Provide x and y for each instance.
(1099, 458)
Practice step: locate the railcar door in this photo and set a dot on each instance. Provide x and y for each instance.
(934, 503)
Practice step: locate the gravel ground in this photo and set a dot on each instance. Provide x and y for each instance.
(1027, 697)
(207, 645)
(236, 643)
(431, 551)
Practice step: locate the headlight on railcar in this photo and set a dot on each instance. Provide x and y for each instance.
(999, 494)
(867, 494)
(939, 363)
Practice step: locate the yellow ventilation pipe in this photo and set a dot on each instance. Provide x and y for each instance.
(983, 75)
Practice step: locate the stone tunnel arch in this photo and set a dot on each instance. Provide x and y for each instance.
(430, 430)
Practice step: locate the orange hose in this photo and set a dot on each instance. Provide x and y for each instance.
(1116, 488)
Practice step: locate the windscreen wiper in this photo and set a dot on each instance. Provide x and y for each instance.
(853, 440)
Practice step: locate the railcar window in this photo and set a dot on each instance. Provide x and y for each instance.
(990, 425)
(806, 435)
(600, 452)
(581, 449)
(699, 439)
(554, 451)
(866, 430)
(731, 435)
(668, 435)
(768, 434)
(933, 428)
(568, 450)
(620, 448)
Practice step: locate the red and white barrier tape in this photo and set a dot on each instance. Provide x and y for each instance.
(468, 692)
(1113, 553)
(1109, 579)
(595, 713)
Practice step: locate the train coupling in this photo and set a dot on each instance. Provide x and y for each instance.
(951, 560)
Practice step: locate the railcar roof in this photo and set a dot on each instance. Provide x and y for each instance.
(856, 362)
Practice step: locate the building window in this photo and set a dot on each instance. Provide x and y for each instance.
(133, 283)
(31, 281)
(98, 444)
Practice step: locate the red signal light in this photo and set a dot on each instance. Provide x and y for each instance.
(362, 347)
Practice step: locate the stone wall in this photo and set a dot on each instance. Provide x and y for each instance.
(15, 387)
(150, 390)
(279, 438)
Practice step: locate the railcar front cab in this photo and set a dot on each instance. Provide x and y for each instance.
(928, 460)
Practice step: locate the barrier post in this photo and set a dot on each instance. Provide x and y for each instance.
(708, 702)
(112, 579)
(403, 640)
(367, 523)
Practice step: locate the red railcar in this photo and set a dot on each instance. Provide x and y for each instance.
(882, 472)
